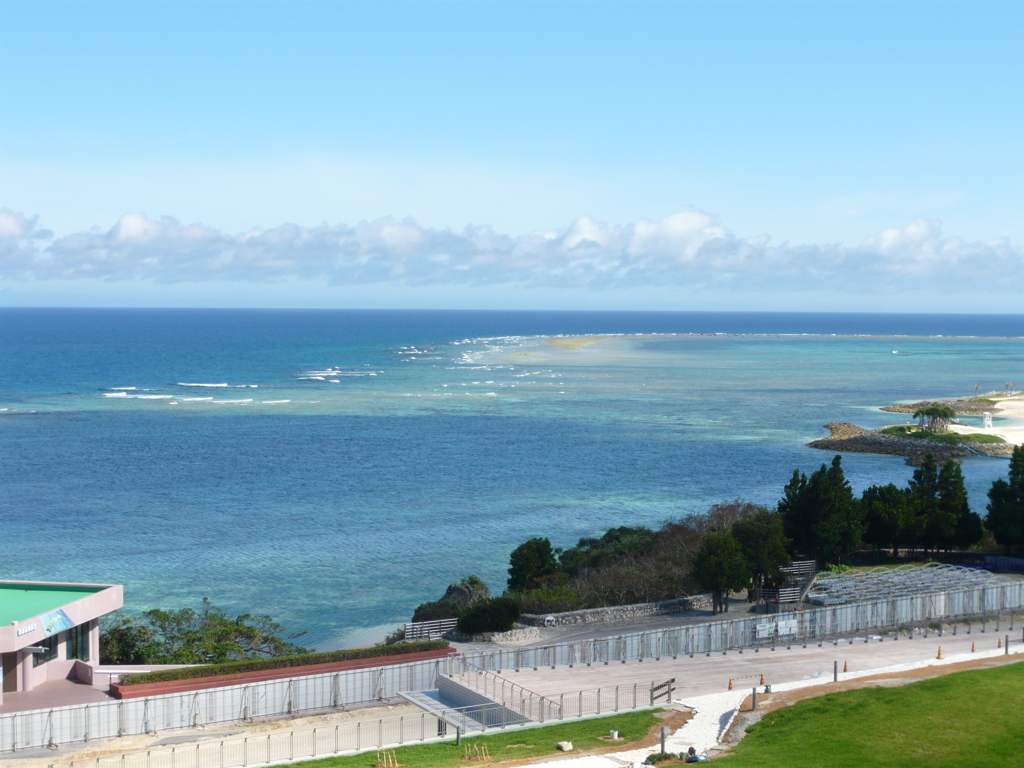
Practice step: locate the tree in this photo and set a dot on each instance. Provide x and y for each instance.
(935, 417)
(530, 561)
(187, 636)
(939, 524)
(940, 500)
(720, 568)
(890, 518)
(615, 544)
(1006, 505)
(497, 615)
(127, 640)
(967, 526)
(820, 514)
(764, 546)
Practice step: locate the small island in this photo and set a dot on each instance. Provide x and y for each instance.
(938, 430)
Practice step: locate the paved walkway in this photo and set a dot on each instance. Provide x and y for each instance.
(703, 675)
(53, 693)
(714, 713)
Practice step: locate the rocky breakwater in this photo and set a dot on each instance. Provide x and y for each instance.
(963, 406)
(849, 438)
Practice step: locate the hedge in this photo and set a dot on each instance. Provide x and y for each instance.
(281, 662)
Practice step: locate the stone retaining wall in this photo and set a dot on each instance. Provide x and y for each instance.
(512, 636)
(617, 612)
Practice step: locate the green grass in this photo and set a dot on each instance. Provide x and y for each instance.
(967, 718)
(947, 438)
(514, 744)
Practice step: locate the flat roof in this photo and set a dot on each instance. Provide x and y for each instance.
(23, 601)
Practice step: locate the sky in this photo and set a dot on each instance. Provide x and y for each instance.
(820, 155)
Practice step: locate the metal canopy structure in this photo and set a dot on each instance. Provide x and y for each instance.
(858, 585)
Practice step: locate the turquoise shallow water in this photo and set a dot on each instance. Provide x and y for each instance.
(359, 461)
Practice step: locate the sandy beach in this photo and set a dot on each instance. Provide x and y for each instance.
(1011, 430)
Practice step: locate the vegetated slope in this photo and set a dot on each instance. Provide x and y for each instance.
(967, 718)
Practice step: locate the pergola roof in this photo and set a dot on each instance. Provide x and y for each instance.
(857, 585)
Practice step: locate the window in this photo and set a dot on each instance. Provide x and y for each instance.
(50, 651)
(78, 642)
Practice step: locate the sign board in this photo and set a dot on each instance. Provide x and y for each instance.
(788, 627)
(56, 621)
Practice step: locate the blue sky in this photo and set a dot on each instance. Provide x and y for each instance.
(664, 155)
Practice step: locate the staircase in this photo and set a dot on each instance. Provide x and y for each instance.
(800, 578)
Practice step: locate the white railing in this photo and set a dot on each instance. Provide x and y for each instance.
(39, 728)
(426, 630)
(388, 732)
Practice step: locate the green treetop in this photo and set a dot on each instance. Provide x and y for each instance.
(530, 561)
(720, 568)
(935, 417)
(820, 514)
(1006, 505)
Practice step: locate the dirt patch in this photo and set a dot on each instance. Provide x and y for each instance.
(673, 718)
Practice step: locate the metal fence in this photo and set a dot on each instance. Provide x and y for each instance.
(129, 717)
(62, 725)
(285, 746)
(425, 630)
(754, 630)
(279, 746)
(562, 706)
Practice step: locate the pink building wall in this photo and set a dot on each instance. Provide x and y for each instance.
(85, 610)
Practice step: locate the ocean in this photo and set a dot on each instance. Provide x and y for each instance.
(335, 468)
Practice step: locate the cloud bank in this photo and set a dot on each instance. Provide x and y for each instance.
(689, 248)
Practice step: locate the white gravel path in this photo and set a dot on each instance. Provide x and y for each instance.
(714, 713)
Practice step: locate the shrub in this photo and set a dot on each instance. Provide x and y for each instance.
(281, 662)
(657, 757)
(550, 600)
(439, 609)
(497, 615)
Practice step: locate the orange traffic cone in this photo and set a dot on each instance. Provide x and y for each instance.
(940, 653)
(846, 666)
(730, 683)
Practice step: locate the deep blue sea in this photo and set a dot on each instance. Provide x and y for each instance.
(336, 468)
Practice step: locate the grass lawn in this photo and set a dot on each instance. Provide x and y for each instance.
(515, 744)
(967, 718)
(948, 438)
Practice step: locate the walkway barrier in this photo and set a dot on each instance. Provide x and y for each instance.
(564, 706)
(1005, 600)
(427, 630)
(41, 728)
(282, 746)
(237, 703)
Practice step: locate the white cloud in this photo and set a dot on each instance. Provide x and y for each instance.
(690, 248)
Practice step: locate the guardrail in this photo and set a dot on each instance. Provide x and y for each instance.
(801, 568)
(40, 728)
(349, 738)
(228, 704)
(427, 630)
(753, 630)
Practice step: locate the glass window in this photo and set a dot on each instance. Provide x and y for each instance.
(78, 642)
(50, 652)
